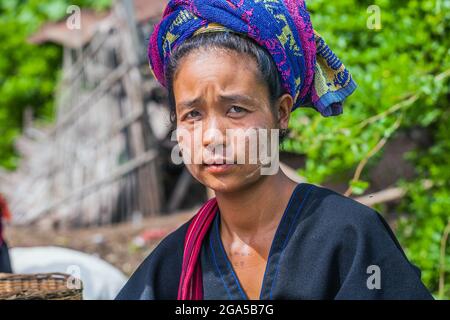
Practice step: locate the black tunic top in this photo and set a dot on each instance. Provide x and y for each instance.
(327, 246)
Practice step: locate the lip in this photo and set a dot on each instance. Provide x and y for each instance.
(218, 168)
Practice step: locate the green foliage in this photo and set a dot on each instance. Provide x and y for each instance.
(402, 71)
(28, 73)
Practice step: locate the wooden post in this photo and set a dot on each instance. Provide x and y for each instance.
(148, 180)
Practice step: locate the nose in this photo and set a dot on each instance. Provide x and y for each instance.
(213, 132)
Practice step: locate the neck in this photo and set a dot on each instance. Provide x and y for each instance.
(257, 208)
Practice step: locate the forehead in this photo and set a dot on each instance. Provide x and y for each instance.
(218, 71)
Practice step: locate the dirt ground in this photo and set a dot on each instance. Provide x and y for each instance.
(124, 245)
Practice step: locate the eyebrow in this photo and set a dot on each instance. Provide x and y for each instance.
(236, 98)
(223, 97)
(189, 103)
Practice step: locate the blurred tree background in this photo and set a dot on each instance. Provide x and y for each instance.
(402, 71)
(28, 73)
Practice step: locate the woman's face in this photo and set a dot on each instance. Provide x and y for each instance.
(221, 107)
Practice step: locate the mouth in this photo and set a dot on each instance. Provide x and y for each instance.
(218, 166)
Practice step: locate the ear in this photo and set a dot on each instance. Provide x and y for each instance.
(284, 107)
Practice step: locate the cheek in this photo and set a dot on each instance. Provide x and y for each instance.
(195, 172)
(247, 140)
(190, 143)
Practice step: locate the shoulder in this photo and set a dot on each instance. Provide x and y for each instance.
(158, 275)
(355, 229)
(348, 224)
(339, 211)
(358, 238)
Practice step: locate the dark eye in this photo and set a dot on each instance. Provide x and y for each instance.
(237, 109)
(192, 114)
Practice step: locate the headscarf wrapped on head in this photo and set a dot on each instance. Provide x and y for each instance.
(309, 70)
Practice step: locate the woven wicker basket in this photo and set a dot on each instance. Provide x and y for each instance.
(42, 286)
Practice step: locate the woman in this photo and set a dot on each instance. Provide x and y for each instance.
(245, 65)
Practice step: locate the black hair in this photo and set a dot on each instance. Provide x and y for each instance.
(268, 72)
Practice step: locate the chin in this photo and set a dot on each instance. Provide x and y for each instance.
(233, 181)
